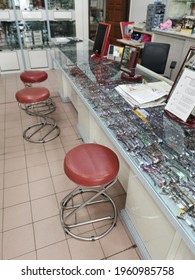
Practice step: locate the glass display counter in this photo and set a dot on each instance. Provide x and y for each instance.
(26, 27)
(156, 154)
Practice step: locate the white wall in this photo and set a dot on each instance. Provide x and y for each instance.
(82, 19)
(138, 9)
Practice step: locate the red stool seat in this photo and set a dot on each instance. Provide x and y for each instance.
(32, 95)
(33, 76)
(91, 165)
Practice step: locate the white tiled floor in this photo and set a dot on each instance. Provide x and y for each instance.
(32, 184)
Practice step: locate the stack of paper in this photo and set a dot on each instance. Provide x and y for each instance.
(144, 95)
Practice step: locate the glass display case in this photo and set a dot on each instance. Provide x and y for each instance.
(8, 27)
(159, 152)
(62, 29)
(29, 20)
(28, 25)
(61, 4)
(8, 36)
(61, 18)
(96, 14)
(10, 58)
(18, 29)
(180, 9)
(6, 4)
(34, 34)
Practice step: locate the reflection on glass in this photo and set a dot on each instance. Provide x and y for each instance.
(61, 4)
(154, 144)
(62, 29)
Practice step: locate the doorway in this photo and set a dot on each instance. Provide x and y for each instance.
(110, 11)
(116, 11)
(96, 14)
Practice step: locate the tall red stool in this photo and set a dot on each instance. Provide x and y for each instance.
(46, 129)
(94, 168)
(33, 77)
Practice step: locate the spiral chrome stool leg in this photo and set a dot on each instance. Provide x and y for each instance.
(94, 168)
(46, 129)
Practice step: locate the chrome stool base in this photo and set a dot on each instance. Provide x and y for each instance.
(43, 133)
(46, 129)
(73, 209)
(44, 107)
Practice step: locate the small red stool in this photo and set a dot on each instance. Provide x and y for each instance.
(28, 98)
(31, 77)
(38, 76)
(94, 168)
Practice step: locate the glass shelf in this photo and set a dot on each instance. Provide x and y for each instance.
(6, 4)
(178, 9)
(61, 4)
(62, 29)
(96, 14)
(8, 36)
(28, 24)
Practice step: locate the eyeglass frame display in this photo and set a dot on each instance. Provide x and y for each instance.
(164, 159)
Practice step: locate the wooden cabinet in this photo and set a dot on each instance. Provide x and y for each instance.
(116, 11)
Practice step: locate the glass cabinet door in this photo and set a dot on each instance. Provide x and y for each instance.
(8, 29)
(8, 36)
(32, 23)
(6, 4)
(96, 14)
(61, 4)
(61, 18)
(34, 34)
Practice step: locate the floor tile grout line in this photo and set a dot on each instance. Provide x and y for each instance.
(2, 223)
(30, 200)
(64, 111)
(2, 250)
(129, 248)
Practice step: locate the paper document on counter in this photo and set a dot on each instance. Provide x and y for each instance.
(144, 95)
(182, 100)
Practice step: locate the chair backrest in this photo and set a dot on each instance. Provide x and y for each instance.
(154, 56)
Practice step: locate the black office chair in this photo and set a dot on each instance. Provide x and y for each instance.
(154, 56)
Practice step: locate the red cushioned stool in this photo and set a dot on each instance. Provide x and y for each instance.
(33, 77)
(46, 129)
(94, 168)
